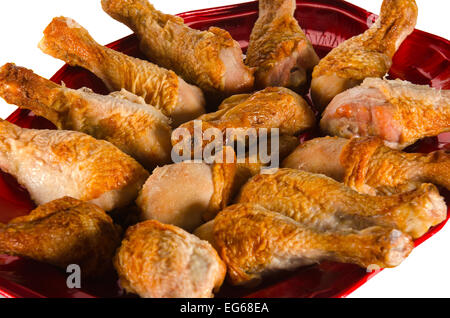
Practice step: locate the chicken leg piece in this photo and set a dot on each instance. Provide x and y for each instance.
(253, 165)
(177, 194)
(209, 59)
(272, 107)
(66, 40)
(254, 241)
(397, 111)
(368, 166)
(186, 193)
(63, 232)
(367, 55)
(51, 164)
(279, 49)
(163, 261)
(321, 202)
(121, 118)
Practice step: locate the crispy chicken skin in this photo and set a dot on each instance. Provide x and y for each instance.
(121, 118)
(51, 164)
(187, 193)
(63, 232)
(397, 111)
(65, 39)
(209, 59)
(366, 55)
(159, 260)
(368, 166)
(254, 241)
(323, 203)
(279, 49)
(272, 107)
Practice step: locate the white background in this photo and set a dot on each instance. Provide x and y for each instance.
(425, 273)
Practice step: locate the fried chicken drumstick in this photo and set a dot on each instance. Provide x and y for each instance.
(160, 260)
(279, 49)
(63, 232)
(272, 107)
(254, 241)
(121, 118)
(368, 166)
(209, 59)
(323, 203)
(65, 39)
(397, 111)
(366, 55)
(51, 164)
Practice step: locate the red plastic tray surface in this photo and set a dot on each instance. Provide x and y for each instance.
(422, 59)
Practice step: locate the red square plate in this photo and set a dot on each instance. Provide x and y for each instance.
(422, 59)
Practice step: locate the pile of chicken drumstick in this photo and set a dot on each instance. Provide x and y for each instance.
(353, 196)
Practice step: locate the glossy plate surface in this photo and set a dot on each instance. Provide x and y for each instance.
(422, 59)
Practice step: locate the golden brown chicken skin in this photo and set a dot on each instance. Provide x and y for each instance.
(368, 166)
(272, 107)
(367, 55)
(63, 232)
(323, 203)
(209, 59)
(65, 39)
(279, 49)
(51, 164)
(398, 112)
(121, 118)
(254, 242)
(159, 260)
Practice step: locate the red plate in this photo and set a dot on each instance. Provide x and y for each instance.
(422, 59)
